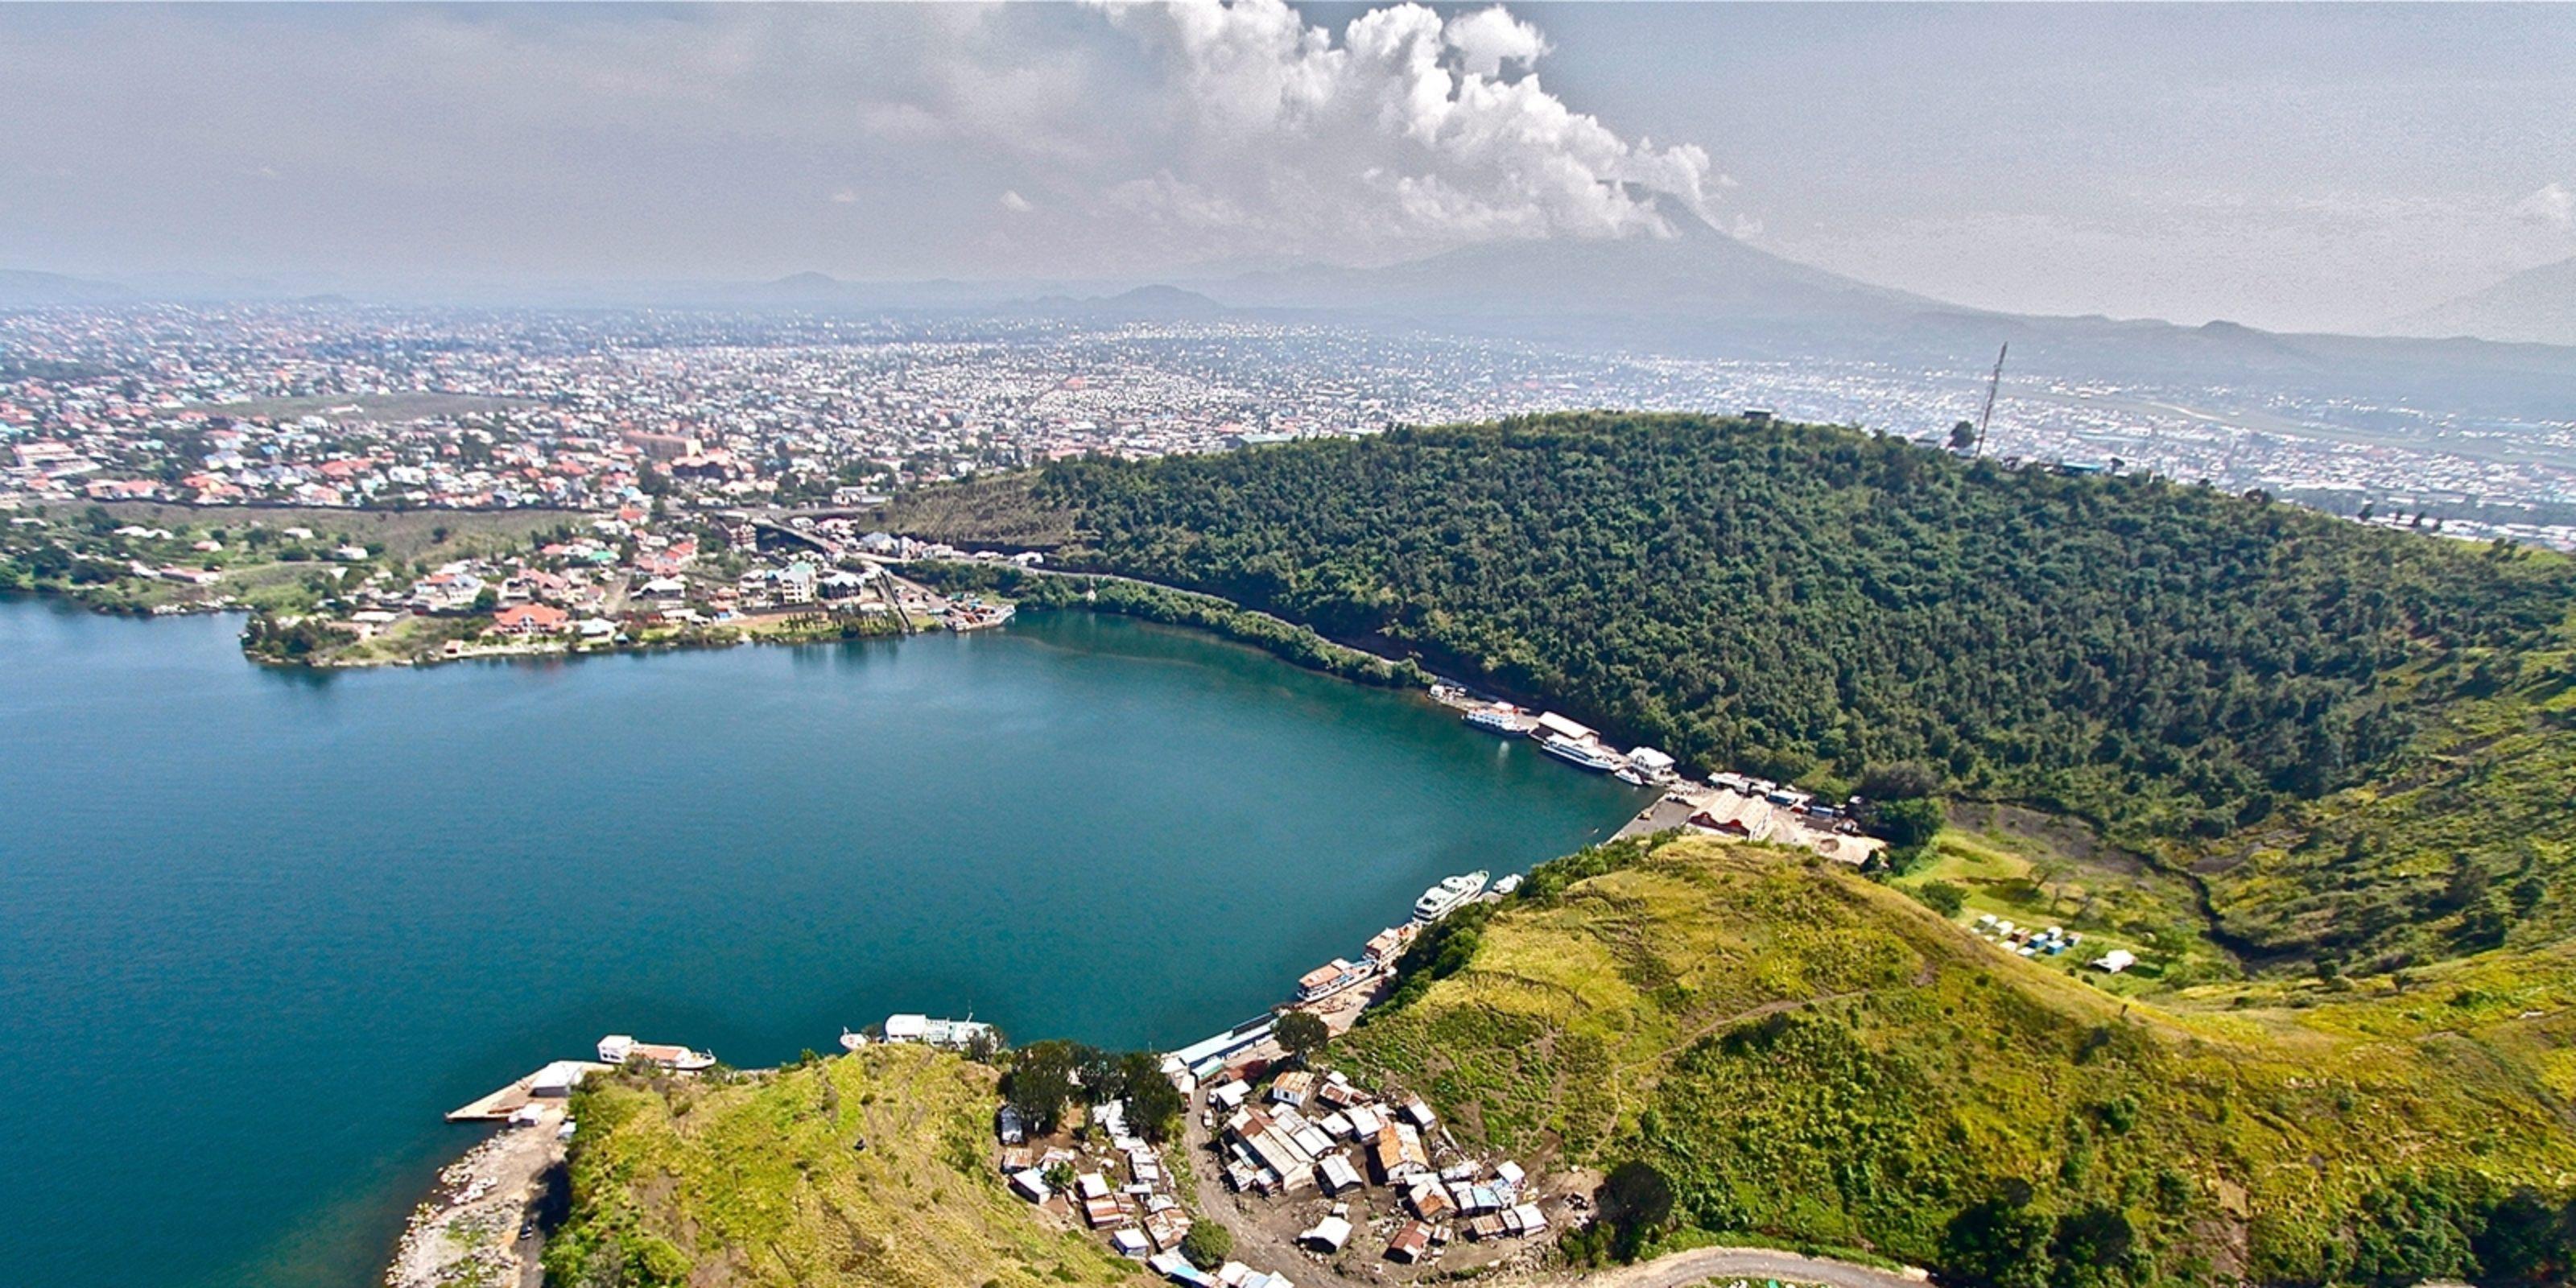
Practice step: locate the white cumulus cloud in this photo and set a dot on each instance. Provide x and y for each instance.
(1015, 203)
(1487, 39)
(1397, 131)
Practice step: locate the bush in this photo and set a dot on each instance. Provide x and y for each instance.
(1207, 1245)
(1942, 897)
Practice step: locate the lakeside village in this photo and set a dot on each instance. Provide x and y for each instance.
(635, 577)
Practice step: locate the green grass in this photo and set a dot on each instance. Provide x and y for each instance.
(1820, 1060)
(758, 1183)
(2114, 901)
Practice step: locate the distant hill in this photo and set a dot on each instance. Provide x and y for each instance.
(2537, 305)
(1701, 292)
(1699, 272)
(25, 288)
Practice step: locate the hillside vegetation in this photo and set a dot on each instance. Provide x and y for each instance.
(2292, 707)
(761, 1183)
(1815, 1059)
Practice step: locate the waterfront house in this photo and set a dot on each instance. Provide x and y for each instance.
(1388, 944)
(1328, 979)
(532, 619)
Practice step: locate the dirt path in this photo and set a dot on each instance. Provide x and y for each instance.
(1702, 1264)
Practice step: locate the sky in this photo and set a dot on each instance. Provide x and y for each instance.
(2292, 166)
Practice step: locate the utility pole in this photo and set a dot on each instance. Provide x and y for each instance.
(1992, 383)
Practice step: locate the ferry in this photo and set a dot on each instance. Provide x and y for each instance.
(1504, 719)
(1440, 900)
(1588, 755)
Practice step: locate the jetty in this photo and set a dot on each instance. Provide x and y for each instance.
(552, 1083)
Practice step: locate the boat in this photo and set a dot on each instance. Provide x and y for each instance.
(1630, 776)
(1440, 900)
(976, 616)
(1587, 755)
(1508, 884)
(1505, 719)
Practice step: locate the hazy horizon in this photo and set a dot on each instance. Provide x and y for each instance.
(2293, 167)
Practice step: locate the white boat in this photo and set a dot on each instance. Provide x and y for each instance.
(1589, 755)
(1508, 884)
(1505, 719)
(1440, 900)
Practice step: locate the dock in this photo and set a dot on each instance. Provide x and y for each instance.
(501, 1104)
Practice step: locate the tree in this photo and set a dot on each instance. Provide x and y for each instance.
(1040, 1083)
(2527, 1240)
(1207, 1245)
(1963, 435)
(1942, 897)
(1301, 1033)
(1906, 824)
(1997, 1242)
(1899, 780)
(2089, 1245)
(1636, 1199)
(1154, 1105)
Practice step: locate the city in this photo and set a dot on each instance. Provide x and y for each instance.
(345, 406)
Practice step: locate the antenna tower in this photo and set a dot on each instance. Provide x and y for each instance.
(1992, 383)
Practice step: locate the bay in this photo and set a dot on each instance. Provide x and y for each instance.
(259, 929)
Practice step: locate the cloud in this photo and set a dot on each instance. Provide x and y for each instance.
(2553, 206)
(1395, 132)
(846, 197)
(1015, 203)
(1489, 38)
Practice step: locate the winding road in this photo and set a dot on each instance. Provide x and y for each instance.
(1701, 1264)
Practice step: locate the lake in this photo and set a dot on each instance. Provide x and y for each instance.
(259, 930)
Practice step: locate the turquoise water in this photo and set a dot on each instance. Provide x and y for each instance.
(259, 930)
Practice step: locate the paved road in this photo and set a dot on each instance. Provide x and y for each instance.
(1700, 1264)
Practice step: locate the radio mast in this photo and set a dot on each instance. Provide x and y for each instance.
(1992, 382)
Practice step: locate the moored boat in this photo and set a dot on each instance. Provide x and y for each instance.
(1440, 900)
(1504, 719)
(1587, 755)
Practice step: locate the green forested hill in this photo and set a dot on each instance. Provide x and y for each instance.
(2175, 664)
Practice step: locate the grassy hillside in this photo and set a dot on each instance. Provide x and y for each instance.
(1814, 1058)
(759, 1183)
